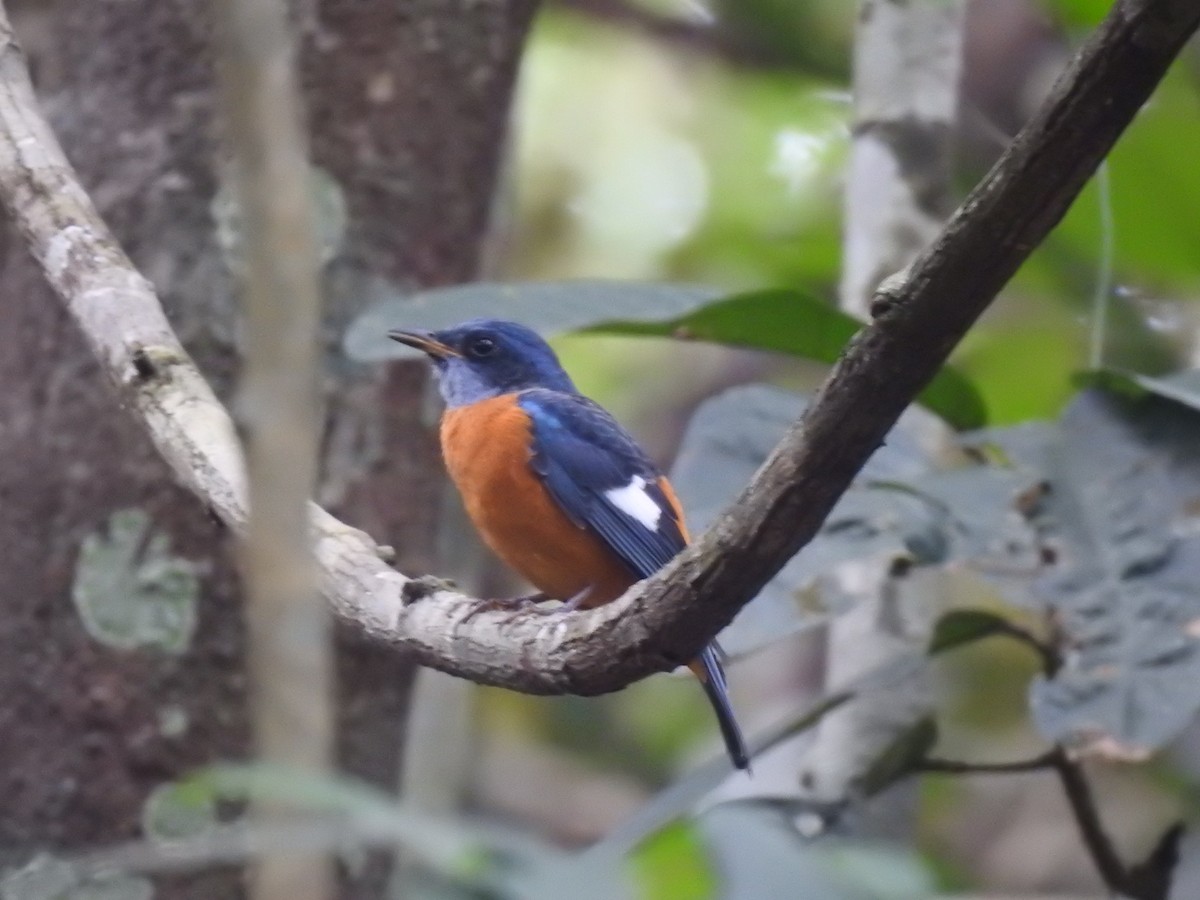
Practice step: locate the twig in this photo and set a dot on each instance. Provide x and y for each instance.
(1079, 795)
(668, 618)
(289, 645)
(1087, 816)
(956, 767)
(907, 65)
(1050, 659)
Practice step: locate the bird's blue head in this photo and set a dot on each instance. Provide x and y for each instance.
(485, 358)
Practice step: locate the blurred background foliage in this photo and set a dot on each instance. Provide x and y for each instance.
(683, 141)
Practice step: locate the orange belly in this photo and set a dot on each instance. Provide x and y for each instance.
(487, 452)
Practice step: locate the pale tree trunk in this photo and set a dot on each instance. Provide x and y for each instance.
(907, 70)
(408, 106)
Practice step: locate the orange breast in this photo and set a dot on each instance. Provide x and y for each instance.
(487, 451)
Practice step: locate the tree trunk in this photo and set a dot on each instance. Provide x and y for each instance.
(408, 107)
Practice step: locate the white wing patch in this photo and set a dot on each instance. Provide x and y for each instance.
(636, 503)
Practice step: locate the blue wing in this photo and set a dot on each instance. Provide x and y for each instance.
(603, 480)
(585, 459)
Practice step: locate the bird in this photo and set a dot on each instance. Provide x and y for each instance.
(554, 485)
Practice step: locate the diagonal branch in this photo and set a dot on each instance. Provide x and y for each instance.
(666, 619)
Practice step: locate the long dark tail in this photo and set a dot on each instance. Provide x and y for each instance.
(711, 673)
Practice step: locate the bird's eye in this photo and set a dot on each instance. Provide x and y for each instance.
(482, 346)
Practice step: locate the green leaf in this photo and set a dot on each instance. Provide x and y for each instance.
(444, 846)
(900, 757)
(1181, 387)
(778, 320)
(782, 320)
(798, 324)
(965, 626)
(551, 307)
(130, 591)
(1120, 517)
(918, 499)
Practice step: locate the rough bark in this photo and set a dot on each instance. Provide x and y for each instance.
(408, 103)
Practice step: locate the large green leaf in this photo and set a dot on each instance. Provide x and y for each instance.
(917, 499)
(960, 627)
(1181, 387)
(782, 321)
(445, 846)
(458, 854)
(552, 307)
(1119, 524)
(797, 324)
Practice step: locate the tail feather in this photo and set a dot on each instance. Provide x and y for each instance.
(711, 673)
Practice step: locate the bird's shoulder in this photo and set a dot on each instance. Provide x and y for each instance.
(602, 479)
(572, 424)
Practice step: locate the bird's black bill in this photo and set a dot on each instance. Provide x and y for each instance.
(425, 342)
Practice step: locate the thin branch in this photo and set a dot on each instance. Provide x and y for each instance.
(907, 65)
(1050, 659)
(1079, 795)
(1087, 816)
(669, 617)
(290, 654)
(933, 765)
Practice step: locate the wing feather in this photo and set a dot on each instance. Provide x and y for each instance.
(582, 454)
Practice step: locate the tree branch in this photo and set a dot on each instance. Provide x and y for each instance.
(668, 618)
(933, 765)
(1087, 817)
(1113, 871)
(907, 69)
